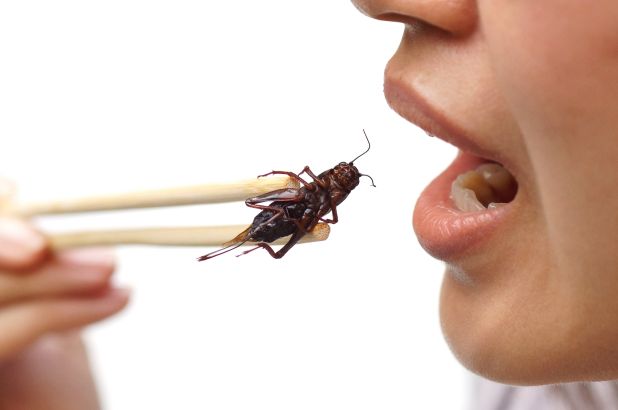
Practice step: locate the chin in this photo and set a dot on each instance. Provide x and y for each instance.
(525, 346)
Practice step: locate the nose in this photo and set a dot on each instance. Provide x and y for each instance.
(457, 17)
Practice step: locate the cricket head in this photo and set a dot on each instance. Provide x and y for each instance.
(346, 176)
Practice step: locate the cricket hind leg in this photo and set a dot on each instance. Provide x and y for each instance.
(281, 252)
(278, 212)
(254, 248)
(269, 249)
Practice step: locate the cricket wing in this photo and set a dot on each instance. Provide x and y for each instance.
(241, 237)
(284, 194)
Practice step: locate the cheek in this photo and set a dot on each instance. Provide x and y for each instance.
(553, 55)
(556, 64)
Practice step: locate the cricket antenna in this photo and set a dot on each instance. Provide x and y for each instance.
(372, 183)
(368, 148)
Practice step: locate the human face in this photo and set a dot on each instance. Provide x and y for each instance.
(530, 294)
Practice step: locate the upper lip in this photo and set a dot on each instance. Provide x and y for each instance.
(408, 103)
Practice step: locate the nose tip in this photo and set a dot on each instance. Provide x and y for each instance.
(457, 17)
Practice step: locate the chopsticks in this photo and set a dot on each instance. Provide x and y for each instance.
(161, 236)
(188, 195)
(182, 236)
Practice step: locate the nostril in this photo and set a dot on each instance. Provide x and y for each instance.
(413, 25)
(399, 18)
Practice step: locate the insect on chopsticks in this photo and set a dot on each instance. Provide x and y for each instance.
(296, 211)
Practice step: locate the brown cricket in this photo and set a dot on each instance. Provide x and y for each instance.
(296, 211)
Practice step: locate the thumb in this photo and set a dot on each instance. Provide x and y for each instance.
(20, 245)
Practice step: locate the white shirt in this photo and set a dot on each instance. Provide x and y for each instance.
(489, 395)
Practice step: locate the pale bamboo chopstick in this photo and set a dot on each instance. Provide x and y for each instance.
(189, 195)
(169, 236)
(187, 236)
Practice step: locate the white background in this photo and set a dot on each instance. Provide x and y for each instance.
(111, 96)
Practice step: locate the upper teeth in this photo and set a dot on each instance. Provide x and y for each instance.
(488, 186)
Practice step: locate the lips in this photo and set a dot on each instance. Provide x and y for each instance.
(444, 231)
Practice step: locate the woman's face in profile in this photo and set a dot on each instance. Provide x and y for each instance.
(530, 295)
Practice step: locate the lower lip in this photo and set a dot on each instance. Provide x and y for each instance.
(445, 232)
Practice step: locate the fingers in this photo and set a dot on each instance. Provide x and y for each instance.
(41, 292)
(71, 289)
(68, 273)
(23, 323)
(21, 246)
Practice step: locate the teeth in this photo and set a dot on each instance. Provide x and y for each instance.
(500, 180)
(495, 205)
(463, 191)
(487, 187)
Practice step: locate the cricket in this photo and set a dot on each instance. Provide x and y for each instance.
(296, 211)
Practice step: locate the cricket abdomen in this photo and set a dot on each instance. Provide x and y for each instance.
(264, 231)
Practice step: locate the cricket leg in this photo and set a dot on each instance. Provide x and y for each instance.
(278, 212)
(279, 254)
(333, 209)
(291, 175)
(315, 178)
(247, 251)
(300, 226)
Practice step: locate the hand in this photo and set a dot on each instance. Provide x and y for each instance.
(44, 297)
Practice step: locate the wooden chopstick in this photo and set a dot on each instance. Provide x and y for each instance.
(186, 236)
(169, 236)
(189, 195)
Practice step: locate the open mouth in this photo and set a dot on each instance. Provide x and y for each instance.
(488, 186)
(464, 206)
(476, 196)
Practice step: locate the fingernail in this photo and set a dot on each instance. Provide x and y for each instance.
(89, 257)
(18, 241)
(118, 297)
(121, 293)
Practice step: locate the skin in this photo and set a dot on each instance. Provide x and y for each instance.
(536, 82)
(45, 298)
